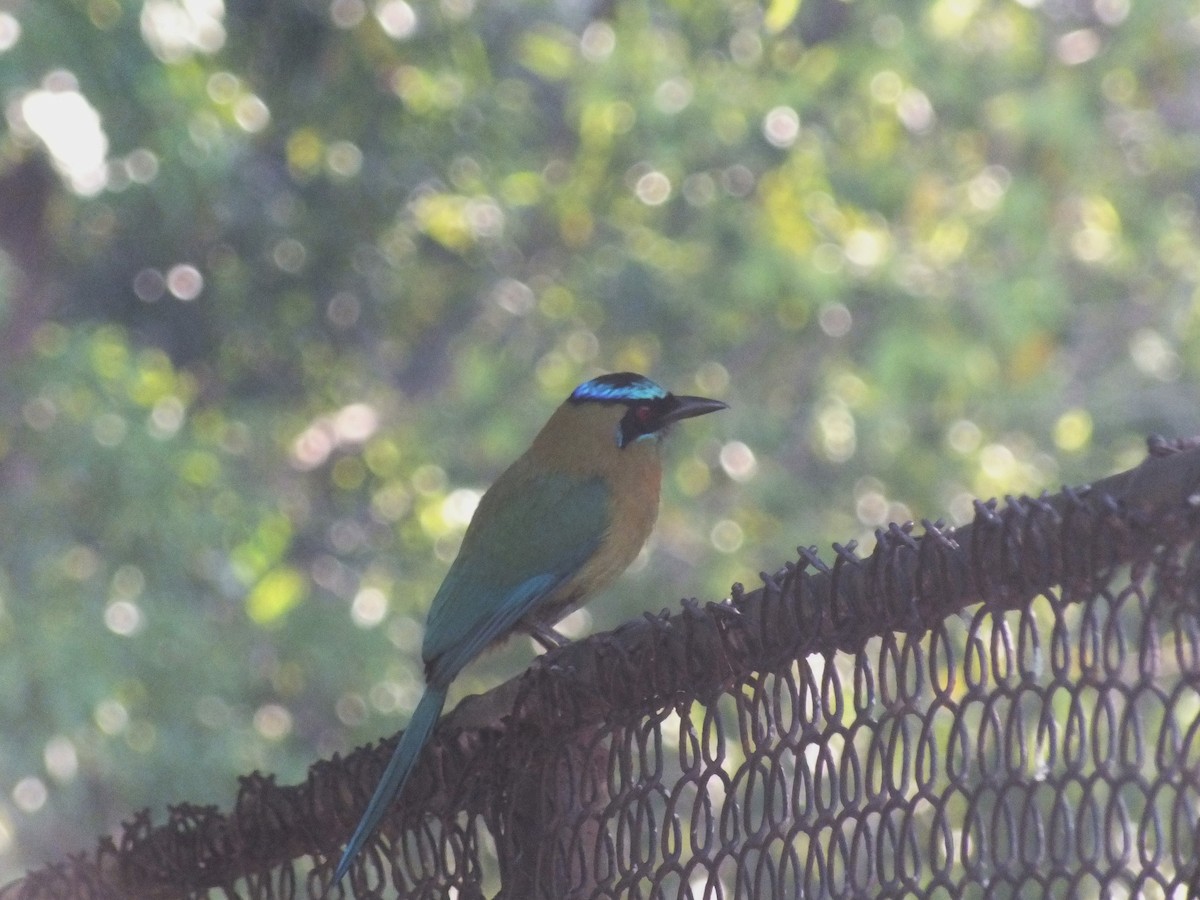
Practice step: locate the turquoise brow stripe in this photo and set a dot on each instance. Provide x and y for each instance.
(612, 388)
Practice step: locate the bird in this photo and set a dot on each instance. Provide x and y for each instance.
(564, 520)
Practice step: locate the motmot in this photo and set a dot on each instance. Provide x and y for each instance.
(558, 525)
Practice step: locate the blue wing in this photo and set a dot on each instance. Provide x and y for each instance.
(530, 535)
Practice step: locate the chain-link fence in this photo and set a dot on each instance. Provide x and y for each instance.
(1007, 709)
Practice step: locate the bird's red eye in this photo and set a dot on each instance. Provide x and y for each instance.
(642, 413)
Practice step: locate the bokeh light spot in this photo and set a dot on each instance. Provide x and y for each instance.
(836, 433)
(781, 126)
(429, 479)
(459, 506)
(351, 709)
(175, 29)
(1154, 356)
(61, 758)
(673, 95)
(355, 423)
(653, 188)
(149, 285)
(871, 508)
(964, 436)
(10, 31)
(738, 461)
(397, 18)
(998, 462)
(1076, 47)
(344, 159)
(727, 536)
(70, 128)
(273, 721)
(1073, 430)
(597, 41)
(712, 378)
(251, 113)
(123, 617)
(185, 282)
(835, 319)
(111, 716)
(369, 607)
(30, 794)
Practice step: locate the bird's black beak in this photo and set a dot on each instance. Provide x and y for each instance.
(690, 407)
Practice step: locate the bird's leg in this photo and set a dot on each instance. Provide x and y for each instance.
(545, 635)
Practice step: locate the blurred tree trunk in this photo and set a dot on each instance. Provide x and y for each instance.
(25, 192)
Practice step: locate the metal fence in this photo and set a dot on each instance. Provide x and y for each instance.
(1007, 709)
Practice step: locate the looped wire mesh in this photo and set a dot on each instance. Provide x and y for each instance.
(1007, 709)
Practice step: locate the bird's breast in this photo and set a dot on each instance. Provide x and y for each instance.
(634, 489)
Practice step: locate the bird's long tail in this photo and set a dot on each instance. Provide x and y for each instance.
(420, 726)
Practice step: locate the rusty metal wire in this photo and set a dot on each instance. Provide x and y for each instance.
(1006, 709)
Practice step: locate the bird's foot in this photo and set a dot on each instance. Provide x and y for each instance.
(546, 636)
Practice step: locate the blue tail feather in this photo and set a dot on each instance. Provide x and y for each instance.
(420, 727)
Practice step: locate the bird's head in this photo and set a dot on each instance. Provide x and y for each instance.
(640, 409)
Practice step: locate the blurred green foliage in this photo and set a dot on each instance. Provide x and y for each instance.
(306, 275)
